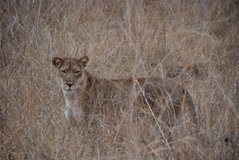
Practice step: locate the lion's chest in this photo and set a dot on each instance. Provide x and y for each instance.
(72, 105)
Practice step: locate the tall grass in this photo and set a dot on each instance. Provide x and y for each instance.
(122, 38)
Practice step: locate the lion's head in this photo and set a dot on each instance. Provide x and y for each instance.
(71, 71)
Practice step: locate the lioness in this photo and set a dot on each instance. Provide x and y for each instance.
(81, 90)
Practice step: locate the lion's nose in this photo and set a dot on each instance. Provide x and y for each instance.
(69, 84)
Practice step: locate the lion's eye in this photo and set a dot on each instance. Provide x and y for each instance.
(63, 71)
(77, 72)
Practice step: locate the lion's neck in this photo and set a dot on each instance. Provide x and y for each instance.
(71, 99)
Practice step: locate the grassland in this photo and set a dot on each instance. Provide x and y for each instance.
(122, 38)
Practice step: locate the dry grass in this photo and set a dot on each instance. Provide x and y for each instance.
(122, 38)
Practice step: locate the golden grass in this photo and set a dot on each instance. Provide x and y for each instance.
(122, 38)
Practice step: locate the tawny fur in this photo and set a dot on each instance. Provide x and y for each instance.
(83, 91)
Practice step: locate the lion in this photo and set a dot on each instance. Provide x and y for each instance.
(152, 94)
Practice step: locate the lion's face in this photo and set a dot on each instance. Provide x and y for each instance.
(71, 71)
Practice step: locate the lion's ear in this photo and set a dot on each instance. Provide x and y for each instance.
(57, 62)
(83, 61)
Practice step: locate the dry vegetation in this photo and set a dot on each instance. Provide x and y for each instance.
(122, 38)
